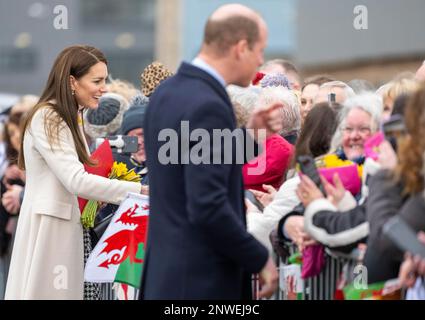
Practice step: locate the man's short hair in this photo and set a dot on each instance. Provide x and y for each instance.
(349, 92)
(285, 64)
(317, 80)
(225, 33)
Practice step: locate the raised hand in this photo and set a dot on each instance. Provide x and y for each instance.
(268, 118)
(335, 192)
(265, 198)
(307, 191)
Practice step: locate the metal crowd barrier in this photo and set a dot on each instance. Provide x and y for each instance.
(114, 291)
(322, 286)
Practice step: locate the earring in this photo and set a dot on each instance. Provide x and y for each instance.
(73, 92)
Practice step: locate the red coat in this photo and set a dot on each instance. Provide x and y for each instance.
(277, 157)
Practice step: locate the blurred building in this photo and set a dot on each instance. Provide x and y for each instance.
(318, 35)
(30, 38)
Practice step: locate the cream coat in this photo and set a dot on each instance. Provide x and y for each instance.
(47, 258)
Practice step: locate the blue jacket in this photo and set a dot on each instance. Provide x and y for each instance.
(197, 246)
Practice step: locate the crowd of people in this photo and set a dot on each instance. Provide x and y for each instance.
(212, 225)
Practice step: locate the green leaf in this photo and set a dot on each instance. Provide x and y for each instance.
(89, 214)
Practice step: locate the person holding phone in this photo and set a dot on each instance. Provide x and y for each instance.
(315, 139)
(412, 266)
(48, 254)
(132, 125)
(360, 118)
(403, 194)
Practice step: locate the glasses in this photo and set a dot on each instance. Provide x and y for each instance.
(361, 130)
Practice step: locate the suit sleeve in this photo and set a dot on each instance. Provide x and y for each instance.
(206, 189)
(62, 159)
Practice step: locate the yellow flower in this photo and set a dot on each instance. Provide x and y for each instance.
(332, 161)
(131, 176)
(118, 170)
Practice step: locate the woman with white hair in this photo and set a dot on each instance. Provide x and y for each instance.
(315, 138)
(360, 119)
(244, 100)
(277, 152)
(291, 115)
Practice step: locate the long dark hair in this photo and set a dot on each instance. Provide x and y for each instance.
(11, 152)
(58, 98)
(318, 130)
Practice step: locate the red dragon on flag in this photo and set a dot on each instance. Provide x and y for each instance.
(119, 255)
(127, 239)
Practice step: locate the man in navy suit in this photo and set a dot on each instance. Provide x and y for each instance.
(198, 246)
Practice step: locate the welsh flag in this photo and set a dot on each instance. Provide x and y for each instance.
(119, 254)
(386, 290)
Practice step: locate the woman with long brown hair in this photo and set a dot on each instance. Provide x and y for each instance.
(401, 192)
(47, 258)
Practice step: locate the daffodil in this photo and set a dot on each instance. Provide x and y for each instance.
(119, 171)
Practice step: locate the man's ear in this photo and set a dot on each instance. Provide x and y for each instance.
(241, 48)
(72, 82)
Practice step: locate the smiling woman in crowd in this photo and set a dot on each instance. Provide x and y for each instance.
(47, 258)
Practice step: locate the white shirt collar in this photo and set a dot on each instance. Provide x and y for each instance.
(201, 64)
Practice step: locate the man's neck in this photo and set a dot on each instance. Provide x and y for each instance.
(218, 65)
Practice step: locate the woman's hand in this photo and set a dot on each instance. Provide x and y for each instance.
(412, 266)
(410, 269)
(265, 117)
(13, 172)
(387, 157)
(11, 198)
(307, 191)
(335, 192)
(250, 207)
(294, 228)
(407, 276)
(265, 198)
(144, 190)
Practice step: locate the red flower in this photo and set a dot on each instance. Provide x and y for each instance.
(258, 77)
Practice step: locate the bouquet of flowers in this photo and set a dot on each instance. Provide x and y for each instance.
(332, 161)
(348, 171)
(119, 171)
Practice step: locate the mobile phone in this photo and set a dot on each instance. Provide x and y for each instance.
(122, 144)
(403, 236)
(251, 197)
(395, 125)
(393, 129)
(308, 167)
